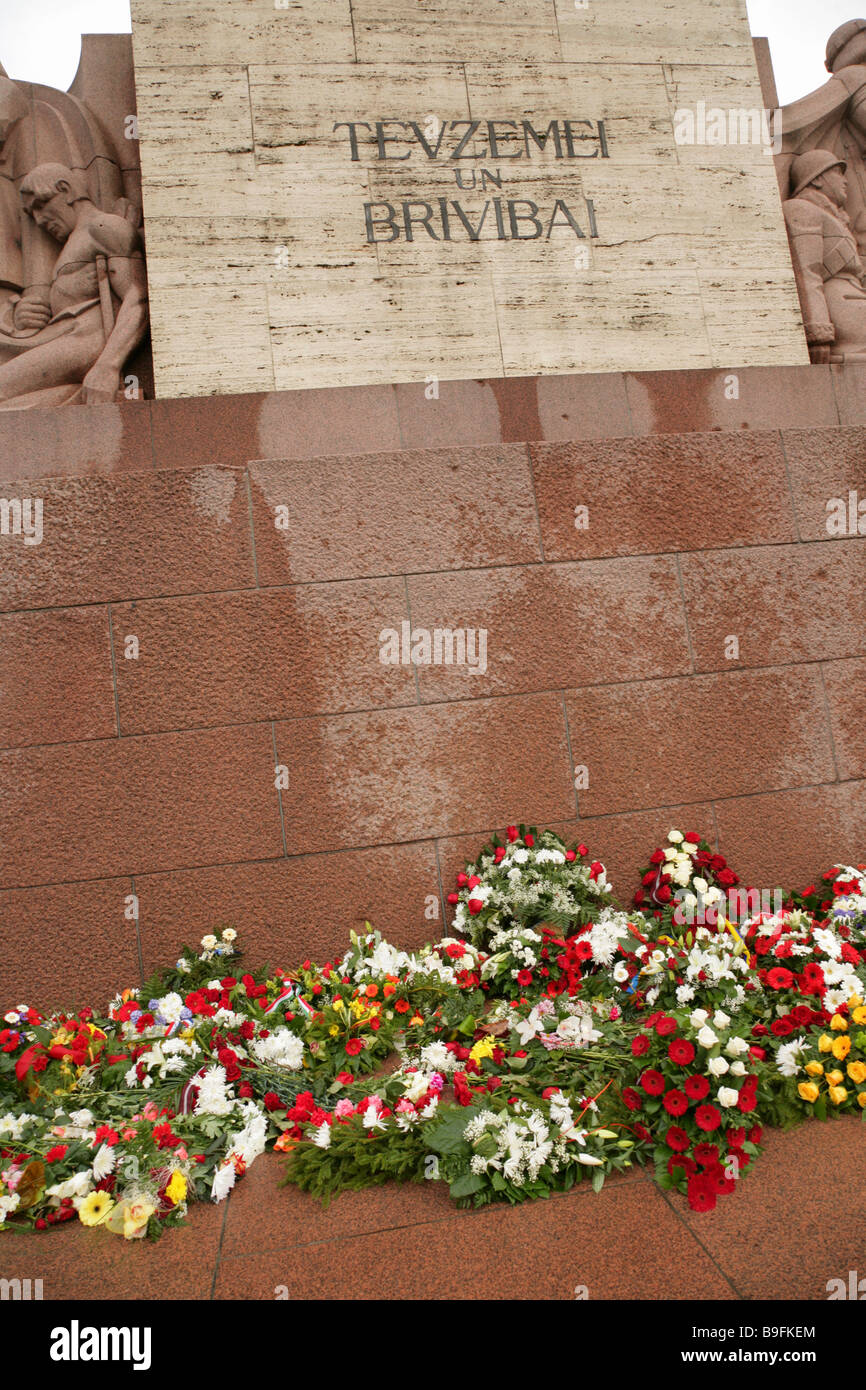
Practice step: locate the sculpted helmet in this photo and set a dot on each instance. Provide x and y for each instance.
(840, 38)
(805, 168)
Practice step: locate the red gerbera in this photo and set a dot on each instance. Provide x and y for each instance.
(779, 978)
(675, 1103)
(677, 1139)
(707, 1155)
(701, 1195)
(707, 1118)
(653, 1082)
(631, 1098)
(696, 1087)
(666, 1026)
(681, 1052)
(639, 1045)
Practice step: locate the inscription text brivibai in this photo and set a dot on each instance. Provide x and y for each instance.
(448, 219)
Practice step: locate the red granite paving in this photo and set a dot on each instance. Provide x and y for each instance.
(798, 1221)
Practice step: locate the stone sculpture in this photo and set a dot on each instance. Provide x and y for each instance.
(40, 126)
(822, 171)
(79, 351)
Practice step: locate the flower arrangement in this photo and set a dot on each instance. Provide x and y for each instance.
(551, 1038)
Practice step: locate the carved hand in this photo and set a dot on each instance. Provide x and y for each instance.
(101, 384)
(30, 314)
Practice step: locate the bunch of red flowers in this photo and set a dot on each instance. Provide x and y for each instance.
(697, 1148)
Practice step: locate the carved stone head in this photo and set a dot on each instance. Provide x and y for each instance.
(49, 194)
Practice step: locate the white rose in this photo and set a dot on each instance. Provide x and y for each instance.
(676, 837)
(738, 1069)
(736, 1047)
(728, 1097)
(706, 1037)
(720, 1019)
(698, 1017)
(717, 1066)
(701, 885)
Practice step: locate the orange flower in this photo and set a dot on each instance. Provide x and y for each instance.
(389, 990)
(285, 1143)
(402, 1006)
(371, 991)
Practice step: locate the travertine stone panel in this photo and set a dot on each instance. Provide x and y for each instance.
(435, 31)
(653, 31)
(248, 31)
(397, 189)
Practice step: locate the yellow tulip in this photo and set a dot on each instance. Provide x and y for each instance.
(838, 1094)
(861, 1099)
(807, 1090)
(839, 1024)
(835, 1078)
(814, 1069)
(825, 1042)
(857, 1072)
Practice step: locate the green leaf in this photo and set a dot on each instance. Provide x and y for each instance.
(466, 1184)
(598, 1180)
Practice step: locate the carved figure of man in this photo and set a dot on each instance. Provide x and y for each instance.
(834, 118)
(826, 258)
(86, 341)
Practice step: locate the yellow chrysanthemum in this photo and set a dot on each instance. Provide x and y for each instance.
(95, 1208)
(176, 1189)
(339, 1004)
(483, 1048)
(841, 1048)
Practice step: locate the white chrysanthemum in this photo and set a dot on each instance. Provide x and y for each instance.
(213, 1097)
(104, 1163)
(223, 1181)
(787, 1062)
(322, 1136)
(282, 1048)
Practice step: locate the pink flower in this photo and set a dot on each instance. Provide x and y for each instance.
(405, 1107)
(344, 1107)
(437, 1081)
(151, 1111)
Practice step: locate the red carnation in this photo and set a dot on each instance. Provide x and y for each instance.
(511, 832)
(692, 837)
(657, 857)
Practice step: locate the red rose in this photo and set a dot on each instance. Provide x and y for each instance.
(653, 1082)
(675, 1103)
(498, 854)
(453, 899)
(639, 1045)
(475, 905)
(696, 1087)
(707, 1118)
(692, 837)
(473, 882)
(682, 1053)
(663, 894)
(677, 1139)
(462, 880)
(570, 855)
(511, 832)
(529, 840)
(582, 849)
(781, 1027)
(657, 857)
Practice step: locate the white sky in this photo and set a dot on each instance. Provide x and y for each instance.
(39, 39)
